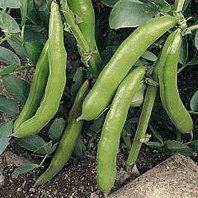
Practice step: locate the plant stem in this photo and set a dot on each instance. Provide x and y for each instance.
(90, 57)
(179, 4)
(193, 112)
(192, 28)
(21, 68)
(43, 160)
(147, 108)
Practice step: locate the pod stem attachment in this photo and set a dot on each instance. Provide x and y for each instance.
(90, 57)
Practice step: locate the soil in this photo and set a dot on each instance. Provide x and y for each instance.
(77, 179)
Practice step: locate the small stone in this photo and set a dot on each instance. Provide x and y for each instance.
(172, 178)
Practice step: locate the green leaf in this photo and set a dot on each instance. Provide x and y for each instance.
(138, 99)
(54, 147)
(154, 145)
(193, 145)
(45, 149)
(31, 12)
(130, 13)
(56, 129)
(194, 61)
(149, 56)
(7, 105)
(8, 57)
(8, 24)
(33, 50)
(24, 10)
(16, 87)
(162, 5)
(5, 133)
(184, 52)
(31, 143)
(10, 4)
(173, 147)
(17, 47)
(78, 80)
(24, 169)
(98, 123)
(156, 134)
(196, 39)
(109, 3)
(7, 70)
(79, 148)
(194, 101)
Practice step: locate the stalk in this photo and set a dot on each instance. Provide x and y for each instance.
(147, 108)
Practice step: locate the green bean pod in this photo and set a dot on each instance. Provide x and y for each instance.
(169, 94)
(68, 140)
(111, 131)
(37, 88)
(121, 62)
(85, 11)
(56, 81)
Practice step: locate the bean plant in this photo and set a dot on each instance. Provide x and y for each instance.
(78, 72)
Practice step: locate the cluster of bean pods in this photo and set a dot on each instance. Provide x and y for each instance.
(115, 86)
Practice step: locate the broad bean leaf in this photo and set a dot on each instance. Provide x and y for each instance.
(56, 129)
(33, 50)
(149, 56)
(79, 148)
(31, 143)
(194, 102)
(184, 52)
(7, 70)
(196, 39)
(172, 147)
(5, 133)
(17, 47)
(16, 87)
(8, 57)
(8, 24)
(131, 13)
(138, 99)
(45, 149)
(10, 3)
(24, 169)
(162, 5)
(78, 81)
(24, 9)
(109, 3)
(154, 145)
(7, 105)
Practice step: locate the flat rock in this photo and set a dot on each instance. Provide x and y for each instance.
(176, 177)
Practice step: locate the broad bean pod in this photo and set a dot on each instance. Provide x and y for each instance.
(56, 80)
(169, 94)
(37, 88)
(111, 131)
(68, 140)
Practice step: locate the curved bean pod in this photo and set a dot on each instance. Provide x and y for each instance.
(37, 88)
(56, 80)
(111, 131)
(169, 94)
(68, 141)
